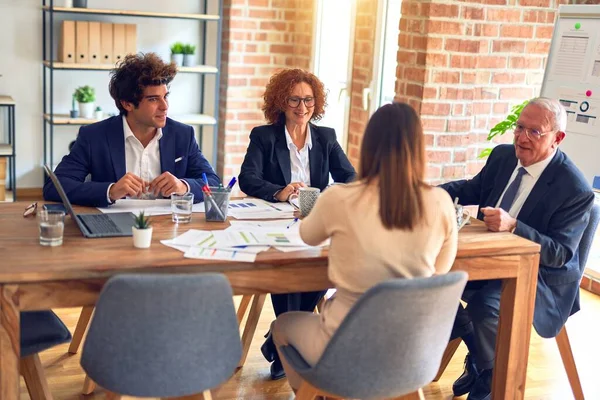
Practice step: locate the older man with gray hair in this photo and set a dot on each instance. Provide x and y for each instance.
(534, 190)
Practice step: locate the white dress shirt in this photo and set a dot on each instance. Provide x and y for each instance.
(527, 183)
(299, 158)
(141, 161)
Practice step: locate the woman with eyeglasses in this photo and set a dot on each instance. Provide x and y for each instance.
(288, 153)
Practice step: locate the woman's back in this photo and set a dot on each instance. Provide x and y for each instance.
(363, 252)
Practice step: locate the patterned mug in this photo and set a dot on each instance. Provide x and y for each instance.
(462, 216)
(307, 197)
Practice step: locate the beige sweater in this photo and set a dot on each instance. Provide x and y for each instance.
(363, 252)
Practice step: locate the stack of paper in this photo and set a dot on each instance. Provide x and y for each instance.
(150, 207)
(259, 209)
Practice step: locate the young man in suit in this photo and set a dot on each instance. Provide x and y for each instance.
(534, 190)
(140, 153)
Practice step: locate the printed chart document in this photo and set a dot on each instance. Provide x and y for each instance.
(259, 209)
(216, 254)
(205, 239)
(150, 207)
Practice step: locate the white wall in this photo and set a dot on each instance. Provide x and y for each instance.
(21, 70)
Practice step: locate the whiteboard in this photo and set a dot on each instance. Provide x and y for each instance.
(572, 77)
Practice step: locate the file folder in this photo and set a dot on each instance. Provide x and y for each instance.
(106, 43)
(130, 39)
(94, 42)
(66, 45)
(82, 42)
(118, 42)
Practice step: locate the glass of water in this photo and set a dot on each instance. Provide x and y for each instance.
(52, 226)
(181, 207)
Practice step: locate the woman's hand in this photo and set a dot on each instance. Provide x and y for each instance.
(285, 193)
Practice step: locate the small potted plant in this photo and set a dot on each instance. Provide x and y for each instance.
(188, 55)
(142, 231)
(98, 113)
(85, 96)
(177, 53)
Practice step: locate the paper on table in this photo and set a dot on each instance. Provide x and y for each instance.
(273, 214)
(215, 254)
(150, 207)
(198, 238)
(272, 224)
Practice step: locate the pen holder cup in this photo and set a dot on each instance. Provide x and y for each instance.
(216, 205)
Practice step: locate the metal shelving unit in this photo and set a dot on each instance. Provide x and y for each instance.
(52, 119)
(9, 150)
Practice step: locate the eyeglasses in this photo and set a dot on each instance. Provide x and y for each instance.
(530, 133)
(294, 102)
(30, 210)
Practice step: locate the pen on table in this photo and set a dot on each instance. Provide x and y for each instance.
(231, 183)
(295, 220)
(204, 178)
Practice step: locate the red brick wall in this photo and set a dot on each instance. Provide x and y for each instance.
(362, 73)
(259, 37)
(463, 65)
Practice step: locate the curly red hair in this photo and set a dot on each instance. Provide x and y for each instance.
(280, 87)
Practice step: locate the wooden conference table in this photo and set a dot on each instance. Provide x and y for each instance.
(33, 277)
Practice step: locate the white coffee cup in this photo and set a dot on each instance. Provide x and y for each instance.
(307, 197)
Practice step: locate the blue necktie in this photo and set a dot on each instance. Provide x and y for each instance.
(511, 192)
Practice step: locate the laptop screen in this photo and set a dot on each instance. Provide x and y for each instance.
(61, 193)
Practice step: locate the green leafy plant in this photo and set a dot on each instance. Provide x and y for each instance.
(177, 48)
(141, 221)
(98, 108)
(189, 49)
(502, 127)
(85, 94)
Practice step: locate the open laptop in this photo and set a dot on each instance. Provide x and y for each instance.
(95, 225)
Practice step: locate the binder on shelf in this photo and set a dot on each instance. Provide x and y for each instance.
(118, 42)
(66, 45)
(82, 42)
(94, 42)
(106, 43)
(130, 39)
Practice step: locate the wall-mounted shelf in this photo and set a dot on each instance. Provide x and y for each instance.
(128, 13)
(209, 51)
(190, 119)
(198, 69)
(8, 150)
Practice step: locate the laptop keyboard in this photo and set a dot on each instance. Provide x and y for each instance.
(100, 223)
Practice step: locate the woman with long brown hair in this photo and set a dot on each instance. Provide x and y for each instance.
(387, 224)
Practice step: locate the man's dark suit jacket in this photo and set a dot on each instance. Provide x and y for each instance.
(267, 167)
(554, 215)
(100, 151)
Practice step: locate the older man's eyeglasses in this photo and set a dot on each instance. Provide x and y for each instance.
(530, 133)
(294, 102)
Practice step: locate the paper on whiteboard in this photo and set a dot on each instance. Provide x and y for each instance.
(583, 111)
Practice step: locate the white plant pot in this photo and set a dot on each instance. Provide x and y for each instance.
(177, 59)
(189, 60)
(86, 110)
(142, 238)
(99, 115)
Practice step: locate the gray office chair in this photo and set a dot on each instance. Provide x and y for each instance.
(162, 335)
(562, 339)
(40, 330)
(390, 343)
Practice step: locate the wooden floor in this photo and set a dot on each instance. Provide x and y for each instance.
(546, 378)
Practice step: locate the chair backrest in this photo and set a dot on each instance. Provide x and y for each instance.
(163, 335)
(588, 236)
(392, 340)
